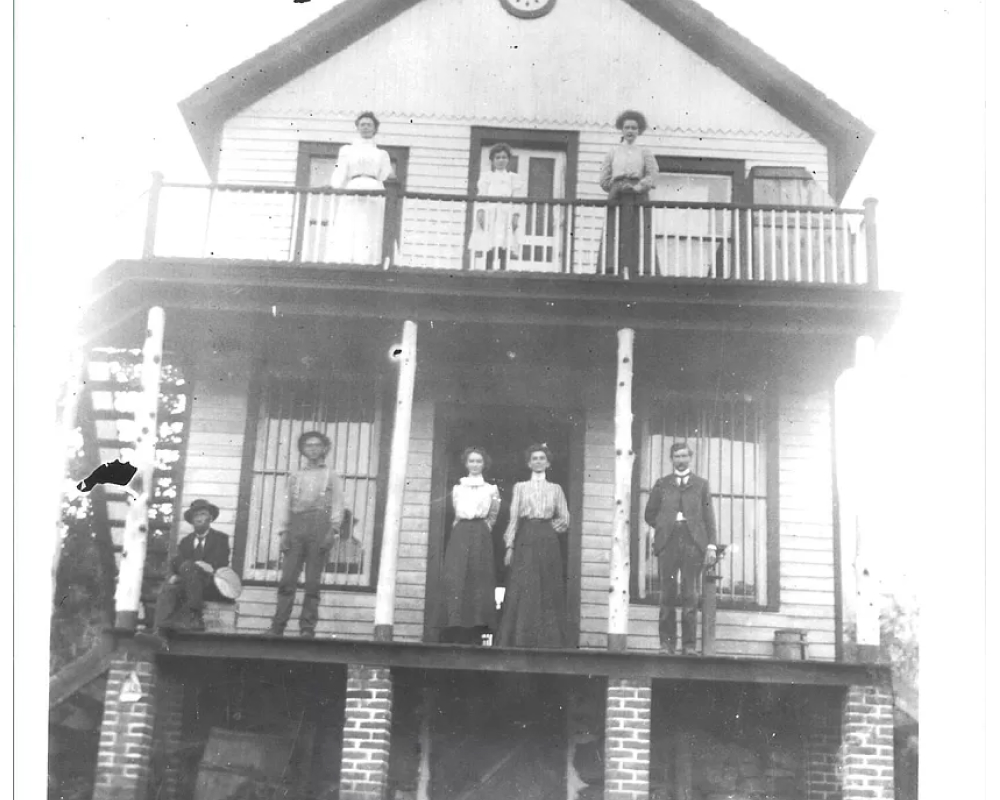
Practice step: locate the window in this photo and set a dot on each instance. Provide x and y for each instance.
(349, 409)
(317, 161)
(691, 242)
(728, 436)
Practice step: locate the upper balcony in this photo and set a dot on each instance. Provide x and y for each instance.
(732, 243)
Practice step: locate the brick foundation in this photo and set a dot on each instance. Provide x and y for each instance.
(626, 740)
(822, 751)
(867, 765)
(125, 751)
(367, 724)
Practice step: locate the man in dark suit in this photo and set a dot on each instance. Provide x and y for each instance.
(680, 512)
(199, 555)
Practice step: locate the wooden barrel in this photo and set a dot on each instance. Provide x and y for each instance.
(790, 644)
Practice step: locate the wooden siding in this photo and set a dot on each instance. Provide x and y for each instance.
(566, 73)
(806, 551)
(215, 450)
(215, 436)
(806, 576)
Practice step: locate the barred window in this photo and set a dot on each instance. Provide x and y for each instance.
(727, 434)
(348, 409)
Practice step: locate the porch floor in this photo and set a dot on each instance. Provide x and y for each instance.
(499, 659)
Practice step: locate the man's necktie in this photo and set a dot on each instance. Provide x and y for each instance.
(199, 549)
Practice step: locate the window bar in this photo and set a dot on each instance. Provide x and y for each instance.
(647, 447)
(835, 269)
(266, 415)
(283, 443)
(351, 498)
(743, 475)
(809, 246)
(798, 246)
(784, 244)
(756, 497)
(731, 413)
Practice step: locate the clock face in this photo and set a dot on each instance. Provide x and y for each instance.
(527, 9)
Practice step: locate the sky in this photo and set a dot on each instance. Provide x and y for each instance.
(96, 88)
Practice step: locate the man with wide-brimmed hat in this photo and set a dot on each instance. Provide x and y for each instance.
(199, 555)
(314, 511)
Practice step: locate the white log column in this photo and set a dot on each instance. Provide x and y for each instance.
(618, 598)
(128, 593)
(867, 597)
(385, 598)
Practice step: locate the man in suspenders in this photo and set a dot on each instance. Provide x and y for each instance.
(315, 509)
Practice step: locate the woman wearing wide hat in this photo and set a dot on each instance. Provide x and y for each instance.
(200, 555)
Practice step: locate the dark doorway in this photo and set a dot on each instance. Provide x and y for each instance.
(505, 432)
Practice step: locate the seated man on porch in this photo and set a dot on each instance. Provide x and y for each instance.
(199, 554)
(680, 511)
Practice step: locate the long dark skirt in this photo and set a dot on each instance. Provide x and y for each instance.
(469, 580)
(629, 237)
(534, 607)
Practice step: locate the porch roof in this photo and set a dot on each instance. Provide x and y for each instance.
(846, 137)
(197, 286)
(495, 659)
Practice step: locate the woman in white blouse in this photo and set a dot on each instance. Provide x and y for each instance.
(534, 612)
(628, 174)
(496, 226)
(355, 236)
(468, 604)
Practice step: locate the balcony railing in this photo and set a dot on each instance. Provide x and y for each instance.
(718, 241)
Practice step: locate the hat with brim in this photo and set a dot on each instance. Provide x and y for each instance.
(201, 505)
(228, 583)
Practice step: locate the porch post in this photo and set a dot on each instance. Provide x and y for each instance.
(867, 594)
(152, 211)
(124, 757)
(385, 598)
(618, 600)
(127, 595)
(871, 241)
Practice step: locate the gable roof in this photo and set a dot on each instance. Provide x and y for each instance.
(845, 136)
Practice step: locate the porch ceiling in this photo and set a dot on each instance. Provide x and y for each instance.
(495, 659)
(127, 287)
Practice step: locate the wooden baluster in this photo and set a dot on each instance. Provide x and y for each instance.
(845, 248)
(835, 219)
(809, 246)
(784, 245)
(737, 244)
(773, 271)
(798, 246)
(713, 249)
(822, 250)
(391, 218)
(759, 270)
